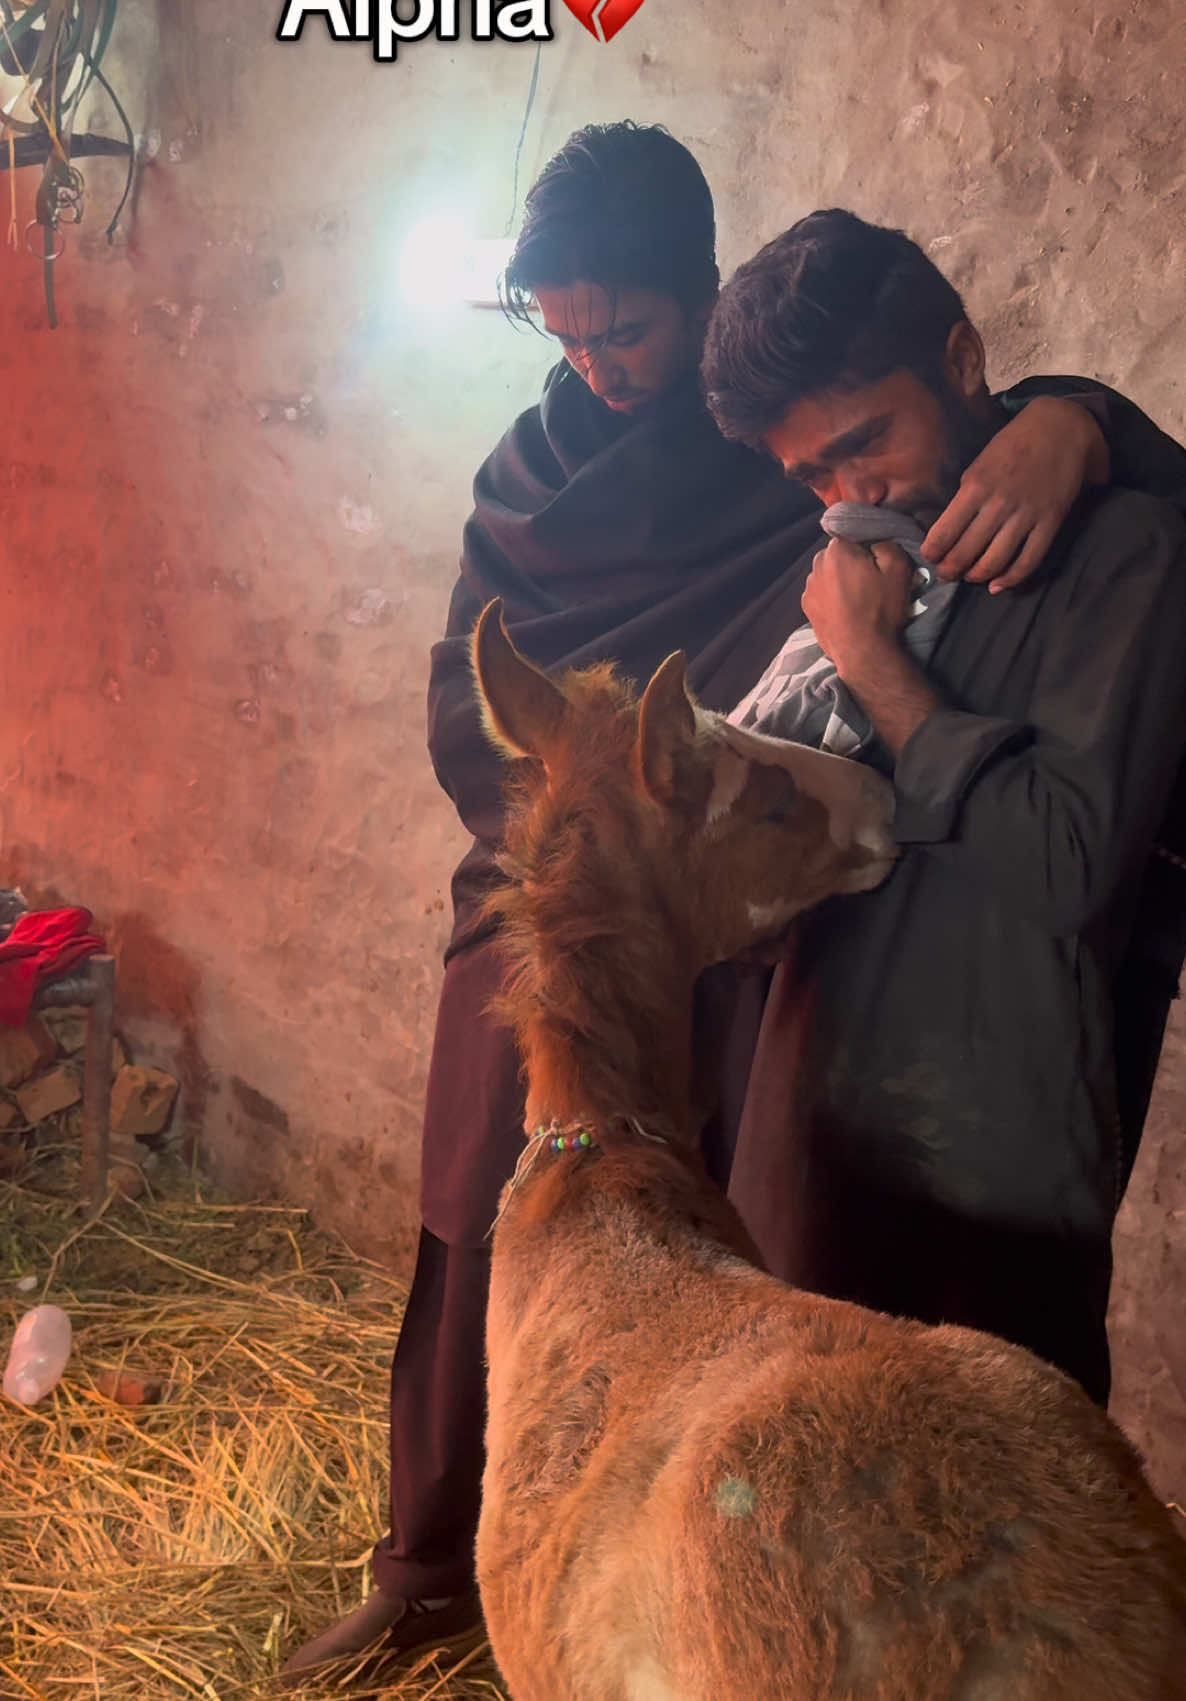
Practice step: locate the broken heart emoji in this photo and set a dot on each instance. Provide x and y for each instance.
(603, 18)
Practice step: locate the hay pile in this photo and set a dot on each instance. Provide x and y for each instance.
(183, 1548)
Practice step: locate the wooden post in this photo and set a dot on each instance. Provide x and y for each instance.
(96, 1080)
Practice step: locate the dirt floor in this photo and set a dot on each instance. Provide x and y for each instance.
(183, 1546)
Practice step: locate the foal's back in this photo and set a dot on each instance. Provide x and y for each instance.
(704, 1485)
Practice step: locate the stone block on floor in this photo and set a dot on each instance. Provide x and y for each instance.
(56, 1090)
(141, 1100)
(23, 1051)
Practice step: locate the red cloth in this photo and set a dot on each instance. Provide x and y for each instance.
(43, 945)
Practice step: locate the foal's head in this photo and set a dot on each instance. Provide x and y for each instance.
(655, 818)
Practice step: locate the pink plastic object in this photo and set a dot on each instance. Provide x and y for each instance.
(37, 1358)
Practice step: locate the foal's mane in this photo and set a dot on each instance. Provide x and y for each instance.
(581, 912)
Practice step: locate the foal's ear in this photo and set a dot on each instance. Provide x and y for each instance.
(522, 709)
(666, 729)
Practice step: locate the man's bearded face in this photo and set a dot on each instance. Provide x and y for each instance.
(896, 442)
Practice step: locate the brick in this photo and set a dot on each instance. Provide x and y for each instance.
(141, 1100)
(49, 1093)
(23, 1051)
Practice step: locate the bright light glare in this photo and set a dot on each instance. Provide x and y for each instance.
(486, 260)
(441, 264)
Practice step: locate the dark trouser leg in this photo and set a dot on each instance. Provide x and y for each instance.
(438, 1415)
(1045, 1291)
(473, 1134)
(728, 1018)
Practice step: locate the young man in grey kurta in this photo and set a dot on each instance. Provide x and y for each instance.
(933, 1098)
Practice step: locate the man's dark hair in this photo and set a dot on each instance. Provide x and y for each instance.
(831, 304)
(624, 206)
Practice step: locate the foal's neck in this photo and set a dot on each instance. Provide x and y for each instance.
(607, 1031)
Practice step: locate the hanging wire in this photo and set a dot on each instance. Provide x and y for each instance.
(510, 225)
(123, 118)
(58, 60)
(14, 237)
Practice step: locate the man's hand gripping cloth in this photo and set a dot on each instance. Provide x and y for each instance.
(799, 696)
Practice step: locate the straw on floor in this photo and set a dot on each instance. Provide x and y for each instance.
(182, 1548)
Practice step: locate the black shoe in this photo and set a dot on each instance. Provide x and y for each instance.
(394, 1629)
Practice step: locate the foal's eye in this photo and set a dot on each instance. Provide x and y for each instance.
(780, 812)
(773, 796)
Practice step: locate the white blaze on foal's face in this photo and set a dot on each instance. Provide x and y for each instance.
(859, 802)
(729, 777)
(784, 827)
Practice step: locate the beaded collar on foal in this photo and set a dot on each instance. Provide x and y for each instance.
(576, 1136)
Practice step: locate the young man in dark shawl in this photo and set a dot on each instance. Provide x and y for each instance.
(932, 1124)
(615, 523)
